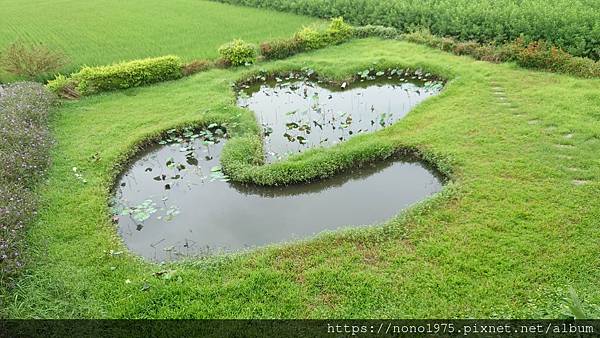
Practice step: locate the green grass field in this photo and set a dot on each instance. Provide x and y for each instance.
(517, 227)
(106, 31)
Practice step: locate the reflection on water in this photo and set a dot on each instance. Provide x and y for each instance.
(174, 201)
(300, 114)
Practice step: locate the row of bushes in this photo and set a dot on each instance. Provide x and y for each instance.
(90, 80)
(309, 38)
(536, 55)
(573, 25)
(24, 157)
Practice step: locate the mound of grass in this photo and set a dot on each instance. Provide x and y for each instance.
(109, 31)
(517, 227)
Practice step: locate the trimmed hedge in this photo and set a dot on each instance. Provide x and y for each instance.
(90, 80)
(128, 74)
(24, 157)
(573, 25)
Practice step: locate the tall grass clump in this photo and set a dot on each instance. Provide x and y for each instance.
(24, 158)
(30, 61)
(571, 25)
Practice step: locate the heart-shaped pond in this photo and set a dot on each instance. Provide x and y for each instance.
(174, 200)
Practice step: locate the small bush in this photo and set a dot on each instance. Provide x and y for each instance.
(280, 49)
(128, 74)
(583, 66)
(196, 66)
(338, 31)
(64, 87)
(312, 38)
(31, 61)
(24, 157)
(238, 53)
(540, 55)
(374, 31)
(466, 48)
(222, 63)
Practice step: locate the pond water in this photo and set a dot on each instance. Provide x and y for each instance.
(299, 114)
(174, 201)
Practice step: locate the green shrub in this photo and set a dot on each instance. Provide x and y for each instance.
(423, 37)
(374, 31)
(583, 67)
(280, 49)
(338, 31)
(238, 53)
(127, 74)
(540, 55)
(307, 39)
(63, 86)
(312, 38)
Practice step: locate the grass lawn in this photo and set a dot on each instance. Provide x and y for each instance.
(518, 226)
(106, 31)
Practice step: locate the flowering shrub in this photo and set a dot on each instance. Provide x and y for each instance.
(24, 157)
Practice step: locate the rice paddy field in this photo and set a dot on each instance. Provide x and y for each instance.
(108, 31)
(513, 233)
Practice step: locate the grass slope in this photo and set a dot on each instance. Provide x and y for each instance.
(519, 225)
(105, 31)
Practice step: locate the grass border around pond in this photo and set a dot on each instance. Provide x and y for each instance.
(243, 156)
(506, 239)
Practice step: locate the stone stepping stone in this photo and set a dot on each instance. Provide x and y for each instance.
(564, 146)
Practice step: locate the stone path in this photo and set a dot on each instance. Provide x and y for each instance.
(563, 147)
